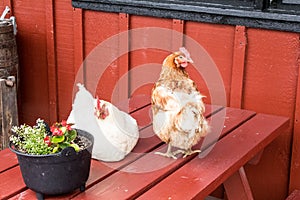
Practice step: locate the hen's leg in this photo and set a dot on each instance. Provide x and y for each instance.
(168, 154)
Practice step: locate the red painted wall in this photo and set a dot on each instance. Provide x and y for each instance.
(259, 68)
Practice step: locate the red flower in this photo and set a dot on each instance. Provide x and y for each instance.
(59, 129)
(56, 131)
(47, 140)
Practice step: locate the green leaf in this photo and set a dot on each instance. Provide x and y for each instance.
(72, 134)
(64, 145)
(76, 147)
(57, 139)
(55, 149)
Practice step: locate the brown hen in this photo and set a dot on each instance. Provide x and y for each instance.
(177, 107)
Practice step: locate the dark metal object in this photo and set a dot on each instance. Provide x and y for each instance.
(258, 13)
(59, 173)
(9, 63)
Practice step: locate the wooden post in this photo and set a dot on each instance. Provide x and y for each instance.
(8, 109)
(51, 59)
(177, 38)
(238, 60)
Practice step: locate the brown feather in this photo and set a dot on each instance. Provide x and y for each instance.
(177, 105)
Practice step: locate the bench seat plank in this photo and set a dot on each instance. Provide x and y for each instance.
(236, 149)
(151, 168)
(11, 179)
(8, 159)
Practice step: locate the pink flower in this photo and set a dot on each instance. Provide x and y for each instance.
(56, 131)
(59, 129)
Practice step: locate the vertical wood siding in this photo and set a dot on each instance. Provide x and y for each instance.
(270, 86)
(259, 68)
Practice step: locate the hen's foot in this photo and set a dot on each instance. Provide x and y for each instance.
(167, 154)
(190, 152)
(187, 152)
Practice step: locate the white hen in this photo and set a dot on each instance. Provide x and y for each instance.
(115, 132)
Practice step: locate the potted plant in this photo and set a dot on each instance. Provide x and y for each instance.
(52, 160)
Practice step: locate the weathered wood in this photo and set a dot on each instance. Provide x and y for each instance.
(8, 110)
(195, 176)
(9, 63)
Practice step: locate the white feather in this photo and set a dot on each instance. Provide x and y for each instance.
(114, 137)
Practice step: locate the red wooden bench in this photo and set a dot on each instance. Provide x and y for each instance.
(145, 175)
(295, 195)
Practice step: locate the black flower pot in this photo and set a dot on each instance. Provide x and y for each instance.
(59, 173)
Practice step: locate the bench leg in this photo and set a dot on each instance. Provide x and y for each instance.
(237, 186)
(256, 159)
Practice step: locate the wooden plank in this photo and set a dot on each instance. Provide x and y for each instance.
(237, 186)
(147, 170)
(123, 60)
(8, 110)
(78, 38)
(11, 183)
(218, 41)
(238, 64)
(138, 101)
(177, 37)
(8, 160)
(51, 59)
(264, 66)
(236, 149)
(78, 49)
(295, 167)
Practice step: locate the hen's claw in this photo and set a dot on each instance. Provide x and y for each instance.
(187, 152)
(168, 154)
(190, 152)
